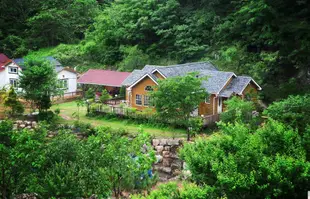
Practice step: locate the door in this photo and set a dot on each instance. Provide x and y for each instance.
(220, 105)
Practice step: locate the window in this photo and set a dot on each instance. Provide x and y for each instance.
(63, 83)
(13, 70)
(148, 88)
(14, 82)
(138, 99)
(147, 100)
(207, 100)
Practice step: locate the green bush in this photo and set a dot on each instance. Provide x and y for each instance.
(171, 190)
(239, 110)
(90, 93)
(294, 111)
(11, 101)
(270, 162)
(104, 96)
(83, 127)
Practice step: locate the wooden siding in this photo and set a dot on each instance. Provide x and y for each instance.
(158, 75)
(228, 82)
(139, 89)
(207, 108)
(250, 90)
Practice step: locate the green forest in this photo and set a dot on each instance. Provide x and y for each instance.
(95, 144)
(266, 39)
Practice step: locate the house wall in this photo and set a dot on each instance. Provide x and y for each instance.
(207, 108)
(140, 90)
(5, 76)
(158, 75)
(251, 91)
(204, 108)
(72, 80)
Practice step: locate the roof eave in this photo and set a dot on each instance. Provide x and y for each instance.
(142, 79)
(99, 84)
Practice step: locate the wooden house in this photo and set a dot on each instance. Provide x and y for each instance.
(220, 85)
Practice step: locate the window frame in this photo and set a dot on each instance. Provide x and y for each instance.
(151, 89)
(208, 100)
(64, 83)
(15, 82)
(12, 72)
(148, 100)
(136, 99)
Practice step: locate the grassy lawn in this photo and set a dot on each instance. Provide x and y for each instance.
(67, 109)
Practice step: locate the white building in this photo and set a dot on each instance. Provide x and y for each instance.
(9, 72)
(68, 79)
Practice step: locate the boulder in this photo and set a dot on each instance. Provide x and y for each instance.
(19, 122)
(159, 159)
(167, 162)
(167, 148)
(165, 169)
(155, 142)
(166, 154)
(176, 165)
(22, 125)
(163, 142)
(176, 172)
(159, 149)
(15, 126)
(173, 142)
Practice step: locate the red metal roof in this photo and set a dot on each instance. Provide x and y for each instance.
(4, 60)
(103, 77)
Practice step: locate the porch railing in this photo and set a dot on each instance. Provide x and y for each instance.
(211, 119)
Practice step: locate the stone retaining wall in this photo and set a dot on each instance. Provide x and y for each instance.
(19, 124)
(169, 166)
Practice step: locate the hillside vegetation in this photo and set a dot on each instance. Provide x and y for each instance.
(267, 39)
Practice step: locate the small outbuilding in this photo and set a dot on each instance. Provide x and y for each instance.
(110, 80)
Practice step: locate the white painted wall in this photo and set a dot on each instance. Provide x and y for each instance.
(5, 75)
(72, 80)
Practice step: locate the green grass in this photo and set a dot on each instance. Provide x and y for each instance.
(67, 109)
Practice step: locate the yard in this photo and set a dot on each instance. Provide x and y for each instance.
(67, 109)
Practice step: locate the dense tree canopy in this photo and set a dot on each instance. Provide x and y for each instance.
(39, 83)
(267, 39)
(177, 97)
(65, 167)
(268, 163)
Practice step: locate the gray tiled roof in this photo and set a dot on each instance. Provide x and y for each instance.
(58, 66)
(236, 86)
(216, 80)
(134, 76)
(168, 71)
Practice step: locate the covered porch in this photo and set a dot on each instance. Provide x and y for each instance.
(103, 80)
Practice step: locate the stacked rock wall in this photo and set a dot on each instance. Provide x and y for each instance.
(19, 124)
(169, 166)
